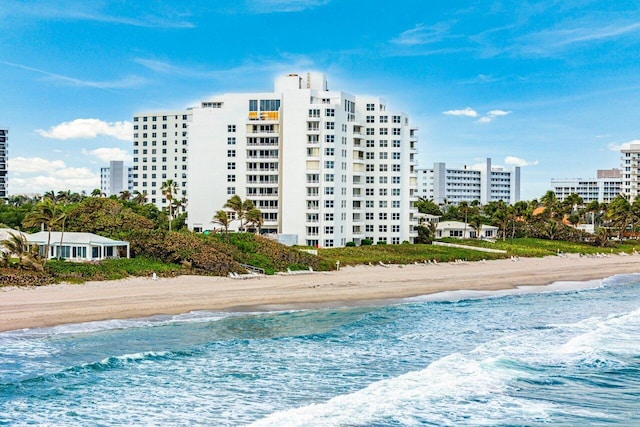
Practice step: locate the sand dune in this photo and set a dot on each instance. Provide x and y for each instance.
(140, 297)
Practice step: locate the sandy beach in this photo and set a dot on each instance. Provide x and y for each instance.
(140, 297)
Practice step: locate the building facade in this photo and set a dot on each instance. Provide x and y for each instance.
(324, 167)
(603, 189)
(630, 170)
(116, 178)
(485, 184)
(4, 163)
(160, 146)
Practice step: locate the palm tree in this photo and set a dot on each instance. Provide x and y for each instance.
(45, 215)
(254, 217)
(235, 204)
(223, 219)
(550, 203)
(125, 195)
(96, 192)
(140, 198)
(621, 214)
(169, 191)
(62, 219)
(17, 245)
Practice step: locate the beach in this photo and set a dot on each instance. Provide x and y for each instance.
(141, 297)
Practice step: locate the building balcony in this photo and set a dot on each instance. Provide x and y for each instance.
(266, 116)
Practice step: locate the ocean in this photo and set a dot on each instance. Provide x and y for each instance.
(564, 355)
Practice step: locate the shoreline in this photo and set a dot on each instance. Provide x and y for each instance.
(138, 297)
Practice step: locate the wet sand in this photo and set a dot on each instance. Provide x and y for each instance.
(140, 297)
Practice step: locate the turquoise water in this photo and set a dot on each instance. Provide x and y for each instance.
(567, 354)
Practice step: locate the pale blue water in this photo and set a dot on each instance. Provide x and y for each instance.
(564, 356)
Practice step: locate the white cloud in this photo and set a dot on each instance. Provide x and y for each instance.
(126, 82)
(487, 118)
(271, 6)
(468, 112)
(421, 34)
(107, 154)
(89, 128)
(516, 161)
(37, 175)
(22, 165)
(614, 146)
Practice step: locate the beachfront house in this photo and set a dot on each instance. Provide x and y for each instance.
(460, 230)
(5, 234)
(79, 246)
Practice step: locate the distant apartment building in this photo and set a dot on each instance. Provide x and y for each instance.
(116, 178)
(324, 167)
(484, 184)
(4, 166)
(602, 189)
(630, 170)
(160, 145)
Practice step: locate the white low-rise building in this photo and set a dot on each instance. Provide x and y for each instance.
(76, 246)
(461, 230)
(324, 167)
(603, 189)
(483, 184)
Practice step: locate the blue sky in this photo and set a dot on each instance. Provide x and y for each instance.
(549, 85)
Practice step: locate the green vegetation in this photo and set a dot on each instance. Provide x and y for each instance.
(111, 269)
(398, 254)
(531, 247)
(161, 244)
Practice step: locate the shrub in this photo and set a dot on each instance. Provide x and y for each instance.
(381, 242)
(366, 242)
(350, 244)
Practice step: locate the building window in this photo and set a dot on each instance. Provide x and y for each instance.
(384, 131)
(368, 228)
(396, 119)
(370, 119)
(314, 113)
(231, 128)
(328, 190)
(370, 143)
(395, 228)
(328, 230)
(231, 191)
(328, 243)
(396, 131)
(371, 107)
(328, 204)
(330, 112)
(231, 166)
(231, 140)
(231, 178)
(329, 164)
(231, 153)
(329, 177)
(329, 151)
(329, 138)
(383, 119)
(383, 168)
(382, 228)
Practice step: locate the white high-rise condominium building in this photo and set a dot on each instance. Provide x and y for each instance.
(324, 167)
(484, 184)
(116, 178)
(160, 144)
(630, 170)
(606, 187)
(4, 167)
